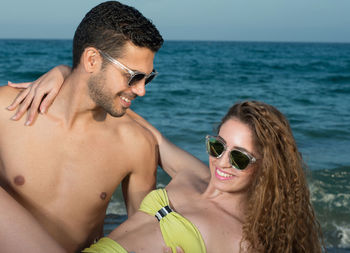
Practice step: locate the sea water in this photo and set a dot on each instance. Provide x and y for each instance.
(199, 80)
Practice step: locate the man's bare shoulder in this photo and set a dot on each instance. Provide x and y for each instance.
(139, 144)
(134, 131)
(7, 95)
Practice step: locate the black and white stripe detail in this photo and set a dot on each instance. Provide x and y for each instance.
(163, 212)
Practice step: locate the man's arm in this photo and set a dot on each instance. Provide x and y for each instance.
(142, 178)
(172, 158)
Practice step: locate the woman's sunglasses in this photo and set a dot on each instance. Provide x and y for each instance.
(238, 158)
(135, 76)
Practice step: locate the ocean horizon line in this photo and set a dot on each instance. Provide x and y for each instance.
(201, 40)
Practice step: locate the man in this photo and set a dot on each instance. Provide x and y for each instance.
(74, 157)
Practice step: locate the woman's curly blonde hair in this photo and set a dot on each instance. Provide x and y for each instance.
(280, 217)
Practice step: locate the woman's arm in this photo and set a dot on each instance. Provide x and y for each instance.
(20, 232)
(41, 92)
(172, 158)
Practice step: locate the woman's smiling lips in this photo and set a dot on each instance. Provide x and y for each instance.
(222, 175)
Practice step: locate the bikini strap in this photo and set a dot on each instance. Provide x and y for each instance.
(163, 212)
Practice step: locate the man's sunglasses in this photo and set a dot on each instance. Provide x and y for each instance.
(238, 158)
(135, 76)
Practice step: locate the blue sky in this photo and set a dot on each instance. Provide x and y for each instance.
(238, 20)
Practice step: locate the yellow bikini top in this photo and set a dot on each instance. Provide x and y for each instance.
(176, 229)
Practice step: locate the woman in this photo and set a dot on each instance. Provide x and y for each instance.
(253, 197)
(256, 197)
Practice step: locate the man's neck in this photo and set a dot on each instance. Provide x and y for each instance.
(73, 105)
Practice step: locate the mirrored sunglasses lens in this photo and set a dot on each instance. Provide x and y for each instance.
(214, 147)
(239, 160)
(136, 78)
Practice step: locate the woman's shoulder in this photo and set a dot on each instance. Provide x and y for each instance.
(189, 183)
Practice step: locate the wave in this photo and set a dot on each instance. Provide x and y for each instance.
(330, 196)
(337, 79)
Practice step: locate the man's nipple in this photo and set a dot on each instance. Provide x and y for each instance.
(103, 195)
(19, 180)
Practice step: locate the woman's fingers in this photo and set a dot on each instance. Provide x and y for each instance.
(25, 104)
(19, 85)
(39, 94)
(48, 100)
(24, 100)
(40, 103)
(19, 98)
(33, 109)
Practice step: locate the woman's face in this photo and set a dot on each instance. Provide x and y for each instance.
(224, 176)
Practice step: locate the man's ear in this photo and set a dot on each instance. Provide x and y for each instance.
(91, 59)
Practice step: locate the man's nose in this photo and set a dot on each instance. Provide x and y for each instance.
(139, 88)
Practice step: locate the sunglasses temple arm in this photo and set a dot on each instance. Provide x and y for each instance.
(114, 61)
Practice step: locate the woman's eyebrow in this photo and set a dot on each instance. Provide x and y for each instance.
(222, 139)
(236, 147)
(242, 149)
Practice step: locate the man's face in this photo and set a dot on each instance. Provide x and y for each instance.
(109, 87)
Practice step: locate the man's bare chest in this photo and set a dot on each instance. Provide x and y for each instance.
(61, 168)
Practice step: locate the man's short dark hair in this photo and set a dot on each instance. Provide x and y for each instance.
(109, 25)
